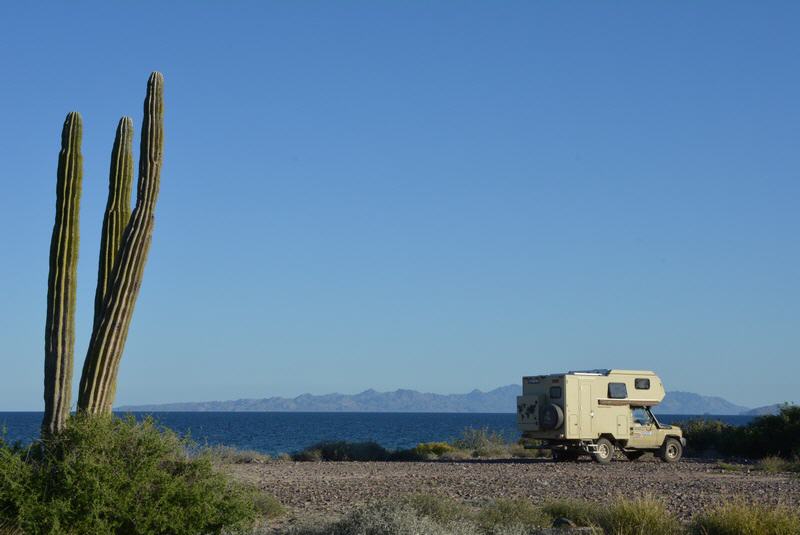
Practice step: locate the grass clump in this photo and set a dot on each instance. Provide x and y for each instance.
(747, 519)
(774, 464)
(580, 512)
(482, 442)
(433, 515)
(386, 519)
(500, 516)
(228, 455)
(268, 505)
(104, 475)
(642, 516)
(437, 508)
(435, 449)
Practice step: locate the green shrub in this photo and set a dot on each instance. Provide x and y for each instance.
(499, 515)
(770, 435)
(308, 455)
(109, 476)
(747, 519)
(433, 448)
(482, 443)
(344, 451)
(707, 435)
(479, 440)
(774, 434)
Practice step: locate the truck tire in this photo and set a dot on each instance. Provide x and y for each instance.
(604, 452)
(552, 417)
(671, 451)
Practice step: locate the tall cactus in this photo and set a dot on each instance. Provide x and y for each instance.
(98, 381)
(118, 210)
(62, 279)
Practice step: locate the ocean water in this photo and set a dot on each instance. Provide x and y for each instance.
(277, 432)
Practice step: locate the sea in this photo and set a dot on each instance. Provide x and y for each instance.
(286, 432)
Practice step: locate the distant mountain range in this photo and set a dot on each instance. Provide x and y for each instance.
(501, 399)
(689, 403)
(775, 408)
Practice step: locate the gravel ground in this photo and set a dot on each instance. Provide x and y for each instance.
(329, 489)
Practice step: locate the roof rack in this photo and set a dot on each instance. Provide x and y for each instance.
(589, 372)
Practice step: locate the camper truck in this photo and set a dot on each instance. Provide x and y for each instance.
(596, 412)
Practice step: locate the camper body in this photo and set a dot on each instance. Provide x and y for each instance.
(597, 412)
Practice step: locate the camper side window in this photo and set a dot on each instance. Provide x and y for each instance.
(555, 392)
(617, 390)
(642, 384)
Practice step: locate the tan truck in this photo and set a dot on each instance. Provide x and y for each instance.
(597, 412)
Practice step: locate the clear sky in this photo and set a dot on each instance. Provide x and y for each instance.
(430, 195)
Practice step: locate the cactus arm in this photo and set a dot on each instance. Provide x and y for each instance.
(118, 209)
(62, 279)
(98, 380)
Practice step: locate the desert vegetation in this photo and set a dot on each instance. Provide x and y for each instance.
(92, 473)
(124, 247)
(772, 442)
(103, 475)
(773, 439)
(472, 444)
(435, 515)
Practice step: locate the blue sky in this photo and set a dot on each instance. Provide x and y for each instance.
(433, 195)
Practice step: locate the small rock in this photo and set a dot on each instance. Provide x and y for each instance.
(563, 522)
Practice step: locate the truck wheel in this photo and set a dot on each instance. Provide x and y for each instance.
(552, 417)
(604, 452)
(670, 451)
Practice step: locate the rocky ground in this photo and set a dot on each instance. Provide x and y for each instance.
(329, 489)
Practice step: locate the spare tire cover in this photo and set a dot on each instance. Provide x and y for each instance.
(552, 417)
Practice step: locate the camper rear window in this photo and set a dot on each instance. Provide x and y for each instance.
(617, 391)
(642, 384)
(555, 392)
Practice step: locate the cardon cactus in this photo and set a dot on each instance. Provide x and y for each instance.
(98, 381)
(118, 210)
(62, 279)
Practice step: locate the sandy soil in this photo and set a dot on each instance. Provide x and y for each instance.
(329, 489)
